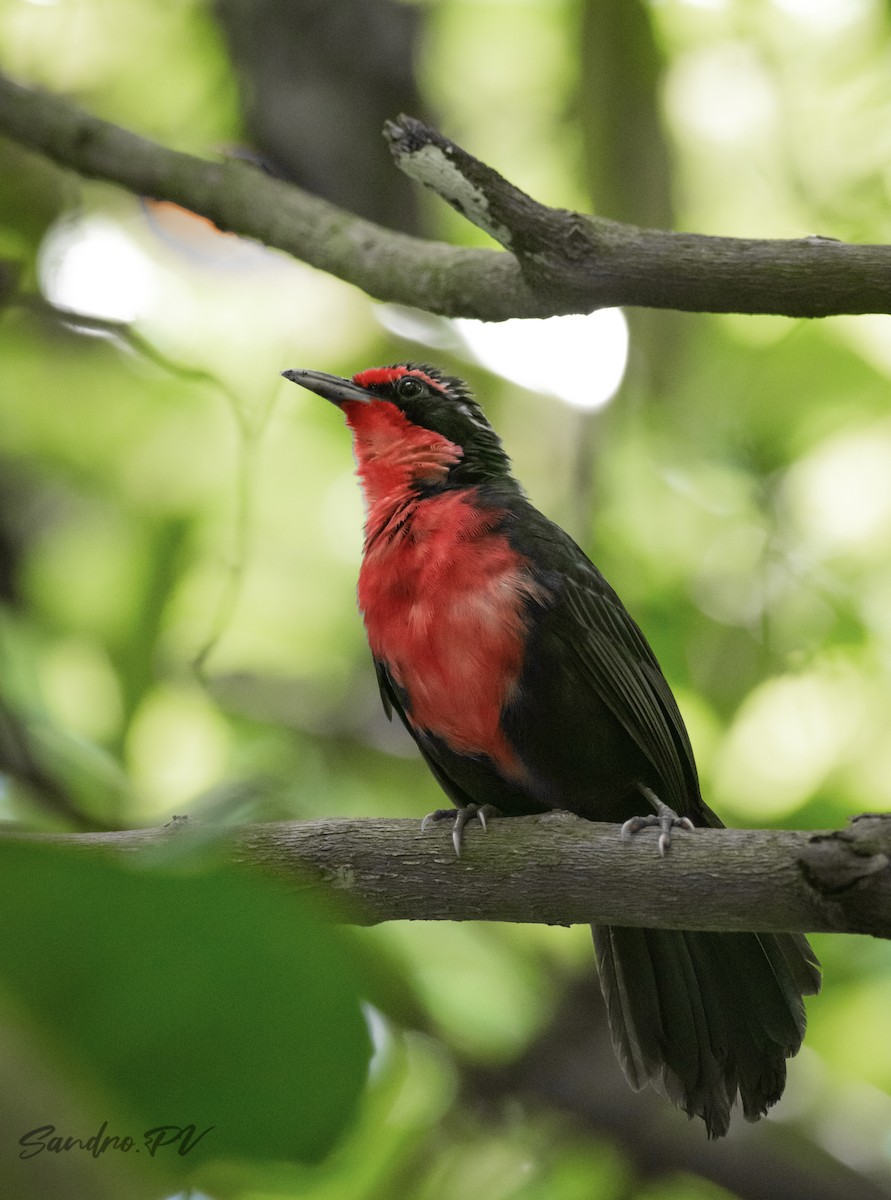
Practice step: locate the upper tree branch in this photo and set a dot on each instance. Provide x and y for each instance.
(559, 869)
(559, 261)
(565, 254)
(238, 198)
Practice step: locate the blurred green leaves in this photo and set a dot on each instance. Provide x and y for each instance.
(197, 996)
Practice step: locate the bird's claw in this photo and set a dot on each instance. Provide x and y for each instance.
(461, 816)
(439, 814)
(664, 817)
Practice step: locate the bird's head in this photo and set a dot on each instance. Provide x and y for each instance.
(414, 429)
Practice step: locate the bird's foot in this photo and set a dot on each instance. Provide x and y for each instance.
(461, 816)
(666, 818)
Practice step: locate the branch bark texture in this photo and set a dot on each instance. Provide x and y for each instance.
(560, 870)
(557, 261)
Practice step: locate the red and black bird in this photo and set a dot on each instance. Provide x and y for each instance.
(527, 687)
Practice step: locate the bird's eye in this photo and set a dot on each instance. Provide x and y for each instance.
(410, 388)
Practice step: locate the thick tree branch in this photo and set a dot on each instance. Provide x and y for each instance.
(558, 869)
(559, 262)
(564, 253)
(240, 199)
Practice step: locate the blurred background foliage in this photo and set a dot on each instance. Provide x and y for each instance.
(180, 529)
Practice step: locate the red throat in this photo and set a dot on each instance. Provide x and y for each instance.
(394, 457)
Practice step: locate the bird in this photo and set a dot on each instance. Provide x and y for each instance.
(528, 687)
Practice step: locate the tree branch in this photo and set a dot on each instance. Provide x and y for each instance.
(241, 199)
(601, 262)
(558, 869)
(559, 261)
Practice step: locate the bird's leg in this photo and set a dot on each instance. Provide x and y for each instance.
(461, 816)
(666, 818)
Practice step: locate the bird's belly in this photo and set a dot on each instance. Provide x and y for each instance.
(458, 665)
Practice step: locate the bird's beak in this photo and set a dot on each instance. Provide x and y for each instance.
(331, 387)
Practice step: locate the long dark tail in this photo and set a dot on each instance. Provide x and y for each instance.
(704, 1015)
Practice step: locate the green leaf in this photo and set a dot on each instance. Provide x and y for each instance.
(209, 998)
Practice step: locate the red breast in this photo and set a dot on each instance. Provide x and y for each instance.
(443, 598)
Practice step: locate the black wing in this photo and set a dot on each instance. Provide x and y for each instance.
(616, 660)
(589, 669)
